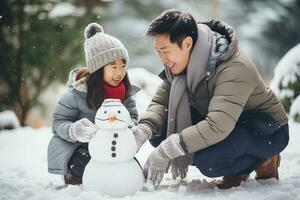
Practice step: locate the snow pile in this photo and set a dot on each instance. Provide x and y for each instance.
(8, 120)
(286, 72)
(286, 80)
(295, 109)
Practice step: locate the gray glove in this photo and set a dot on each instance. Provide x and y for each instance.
(157, 162)
(141, 133)
(82, 130)
(178, 168)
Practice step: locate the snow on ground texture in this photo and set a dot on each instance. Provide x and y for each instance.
(23, 174)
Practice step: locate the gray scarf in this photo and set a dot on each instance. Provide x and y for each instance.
(179, 116)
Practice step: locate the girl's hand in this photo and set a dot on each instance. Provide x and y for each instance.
(82, 130)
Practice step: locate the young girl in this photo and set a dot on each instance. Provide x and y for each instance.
(73, 118)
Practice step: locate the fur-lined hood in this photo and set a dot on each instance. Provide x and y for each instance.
(80, 84)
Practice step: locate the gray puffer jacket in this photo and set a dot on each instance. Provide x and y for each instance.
(70, 108)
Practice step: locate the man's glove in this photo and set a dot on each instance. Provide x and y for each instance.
(157, 162)
(141, 133)
(179, 168)
(82, 130)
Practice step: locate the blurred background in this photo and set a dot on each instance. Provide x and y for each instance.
(41, 41)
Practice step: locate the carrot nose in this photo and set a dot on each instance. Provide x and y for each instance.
(112, 118)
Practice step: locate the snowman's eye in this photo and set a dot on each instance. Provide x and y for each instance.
(119, 111)
(105, 112)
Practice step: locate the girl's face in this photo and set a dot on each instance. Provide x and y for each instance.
(114, 72)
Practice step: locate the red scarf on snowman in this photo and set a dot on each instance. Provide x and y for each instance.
(114, 92)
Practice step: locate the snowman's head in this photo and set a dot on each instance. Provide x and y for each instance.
(112, 115)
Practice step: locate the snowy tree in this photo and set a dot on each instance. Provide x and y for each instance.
(286, 82)
(40, 42)
(268, 29)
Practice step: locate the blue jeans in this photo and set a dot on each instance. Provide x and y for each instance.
(240, 152)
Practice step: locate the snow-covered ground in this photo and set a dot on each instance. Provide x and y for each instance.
(23, 174)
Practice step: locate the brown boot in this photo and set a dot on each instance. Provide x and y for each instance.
(71, 179)
(232, 181)
(268, 168)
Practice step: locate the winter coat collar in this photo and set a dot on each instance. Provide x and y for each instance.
(80, 85)
(229, 33)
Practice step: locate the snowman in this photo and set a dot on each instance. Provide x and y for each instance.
(112, 169)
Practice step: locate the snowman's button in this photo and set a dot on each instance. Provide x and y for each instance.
(113, 155)
(116, 135)
(113, 148)
(113, 142)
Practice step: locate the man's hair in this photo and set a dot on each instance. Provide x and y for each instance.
(177, 23)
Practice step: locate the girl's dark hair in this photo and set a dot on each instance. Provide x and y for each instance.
(95, 85)
(177, 23)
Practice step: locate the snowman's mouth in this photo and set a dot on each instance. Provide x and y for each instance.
(108, 119)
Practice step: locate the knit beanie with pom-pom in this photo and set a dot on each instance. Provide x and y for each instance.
(101, 49)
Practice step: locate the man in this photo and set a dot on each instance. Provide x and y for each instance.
(212, 109)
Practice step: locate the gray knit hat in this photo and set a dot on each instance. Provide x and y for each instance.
(101, 49)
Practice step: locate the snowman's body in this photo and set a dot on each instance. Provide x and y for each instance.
(112, 169)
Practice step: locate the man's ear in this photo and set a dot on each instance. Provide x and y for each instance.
(188, 42)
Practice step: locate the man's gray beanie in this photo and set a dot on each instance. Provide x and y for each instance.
(101, 49)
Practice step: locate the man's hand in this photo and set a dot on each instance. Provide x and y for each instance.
(157, 162)
(141, 133)
(178, 169)
(82, 130)
(155, 166)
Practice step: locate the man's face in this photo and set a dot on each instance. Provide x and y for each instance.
(171, 55)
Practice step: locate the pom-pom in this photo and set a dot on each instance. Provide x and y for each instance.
(92, 29)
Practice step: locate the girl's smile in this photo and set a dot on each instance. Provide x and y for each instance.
(114, 72)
